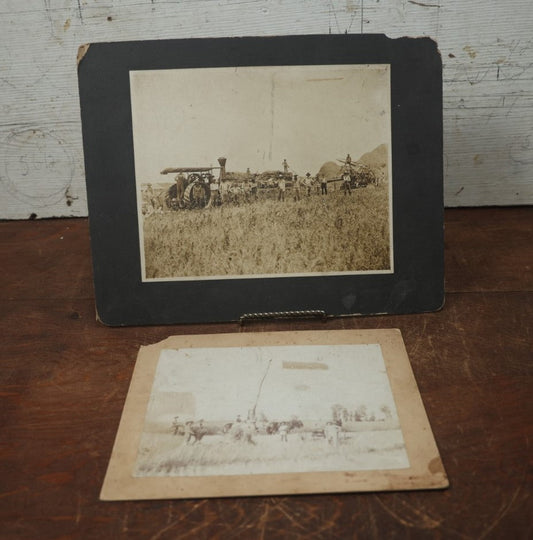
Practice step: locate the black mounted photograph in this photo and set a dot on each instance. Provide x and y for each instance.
(263, 171)
(230, 177)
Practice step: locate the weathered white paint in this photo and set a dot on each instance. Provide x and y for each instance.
(487, 51)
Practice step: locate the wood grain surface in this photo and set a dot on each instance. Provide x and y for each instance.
(486, 47)
(64, 378)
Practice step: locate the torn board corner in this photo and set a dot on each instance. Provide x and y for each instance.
(82, 51)
(433, 43)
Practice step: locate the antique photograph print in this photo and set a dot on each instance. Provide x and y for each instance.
(263, 171)
(272, 413)
(268, 410)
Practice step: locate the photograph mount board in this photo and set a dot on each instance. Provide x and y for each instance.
(273, 413)
(201, 210)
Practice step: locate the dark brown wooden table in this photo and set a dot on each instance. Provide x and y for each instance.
(64, 378)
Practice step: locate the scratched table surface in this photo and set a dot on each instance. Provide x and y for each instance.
(64, 378)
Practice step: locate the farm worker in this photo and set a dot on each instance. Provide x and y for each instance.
(248, 429)
(149, 196)
(188, 431)
(296, 186)
(215, 193)
(283, 431)
(323, 185)
(253, 186)
(348, 160)
(308, 183)
(331, 431)
(281, 188)
(346, 182)
(176, 425)
(224, 190)
(285, 166)
(200, 429)
(181, 184)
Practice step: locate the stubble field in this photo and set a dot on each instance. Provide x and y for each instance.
(163, 454)
(333, 233)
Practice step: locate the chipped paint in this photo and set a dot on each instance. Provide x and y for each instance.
(470, 51)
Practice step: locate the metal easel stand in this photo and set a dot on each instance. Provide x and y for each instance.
(280, 315)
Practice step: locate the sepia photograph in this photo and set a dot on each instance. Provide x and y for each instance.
(247, 172)
(264, 410)
(272, 413)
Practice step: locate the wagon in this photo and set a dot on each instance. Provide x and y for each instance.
(361, 175)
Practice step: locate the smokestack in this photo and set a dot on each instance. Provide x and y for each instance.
(222, 163)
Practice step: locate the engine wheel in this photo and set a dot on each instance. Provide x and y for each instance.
(197, 195)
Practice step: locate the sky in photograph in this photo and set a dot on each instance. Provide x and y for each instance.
(257, 116)
(224, 382)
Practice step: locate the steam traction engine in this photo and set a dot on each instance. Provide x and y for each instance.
(194, 187)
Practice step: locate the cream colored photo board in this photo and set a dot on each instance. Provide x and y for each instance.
(273, 413)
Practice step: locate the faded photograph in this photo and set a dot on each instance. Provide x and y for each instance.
(272, 409)
(263, 171)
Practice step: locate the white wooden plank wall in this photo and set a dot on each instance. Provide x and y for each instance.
(486, 46)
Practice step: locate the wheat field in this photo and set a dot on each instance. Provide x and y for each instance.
(333, 233)
(162, 454)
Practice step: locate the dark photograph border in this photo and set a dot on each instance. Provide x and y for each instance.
(122, 298)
